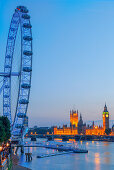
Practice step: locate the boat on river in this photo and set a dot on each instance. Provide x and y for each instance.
(66, 148)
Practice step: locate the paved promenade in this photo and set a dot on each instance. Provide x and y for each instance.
(15, 162)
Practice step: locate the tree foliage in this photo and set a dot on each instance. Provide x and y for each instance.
(5, 133)
(108, 131)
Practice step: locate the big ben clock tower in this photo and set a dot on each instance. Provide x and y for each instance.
(105, 118)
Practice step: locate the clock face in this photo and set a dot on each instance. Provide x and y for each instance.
(103, 115)
(106, 115)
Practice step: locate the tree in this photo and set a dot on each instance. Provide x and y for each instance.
(2, 133)
(108, 131)
(5, 133)
(6, 124)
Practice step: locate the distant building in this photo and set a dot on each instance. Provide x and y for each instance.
(35, 127)
(81, 126)
(95, 130)
(99, 130)
(73, 129)
(113, 130)
(74, 118)
(78, 127)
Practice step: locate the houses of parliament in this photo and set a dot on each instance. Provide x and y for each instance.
(77, 127)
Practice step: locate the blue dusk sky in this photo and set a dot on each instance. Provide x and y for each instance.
(73, 57)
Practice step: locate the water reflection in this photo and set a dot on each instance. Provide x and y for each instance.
(106, 153)
(86, 157)
(87, 143)
(107, 160)
(106, 143)
(107, 157)
(100, 156)
(97, 161)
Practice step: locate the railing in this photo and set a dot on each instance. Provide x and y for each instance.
(6, 163)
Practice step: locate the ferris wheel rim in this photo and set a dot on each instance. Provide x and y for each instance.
(21, 13)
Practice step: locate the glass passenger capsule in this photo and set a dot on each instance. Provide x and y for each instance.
(26, 86)
(14, 22)
(27, 38)
(22, 9)
(21, 115)
(11, 38)
(18, 126)
(7, 66)
(17, 134)
(23, 101)
(8, 56)
(28, 53)
(6, 96)
(6, 105)
(12, 29)
(27, 69)
(25, 25)
(6, 86)
(25, 16)
(6, 114)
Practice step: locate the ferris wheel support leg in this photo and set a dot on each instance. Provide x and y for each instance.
(16, 149)
(22, 149)
(22, 145)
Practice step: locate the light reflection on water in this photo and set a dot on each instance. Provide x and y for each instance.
(100, 156)
(97, 161)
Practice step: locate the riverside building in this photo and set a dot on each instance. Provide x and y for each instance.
(78, 127)
(73, 129)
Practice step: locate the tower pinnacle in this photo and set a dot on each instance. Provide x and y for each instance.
(105, 108)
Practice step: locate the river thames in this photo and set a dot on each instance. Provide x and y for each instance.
(100, 156)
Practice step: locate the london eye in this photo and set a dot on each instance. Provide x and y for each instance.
(20, 21)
